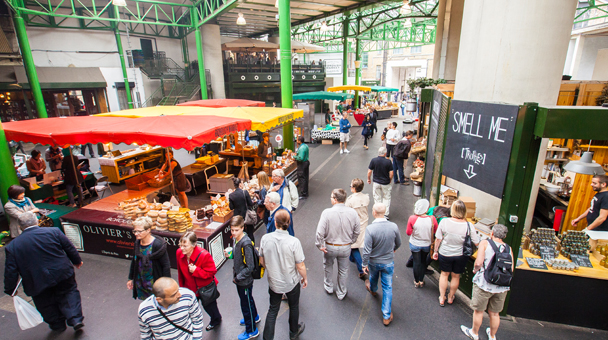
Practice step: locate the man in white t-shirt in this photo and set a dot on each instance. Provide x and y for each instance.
(487, 295)
(392, 138)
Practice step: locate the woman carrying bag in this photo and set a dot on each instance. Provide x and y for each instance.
(196, 271)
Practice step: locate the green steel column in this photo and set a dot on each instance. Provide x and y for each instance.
(123, 64)
(345, 50)
(357, 70)
(28, 63)
(286, 82)
(9, 176)
(199, 53)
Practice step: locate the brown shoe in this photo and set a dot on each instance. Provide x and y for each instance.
(369, 289)
(388, 321)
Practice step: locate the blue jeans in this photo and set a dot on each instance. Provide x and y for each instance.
(355, 256)
(248, 308)
(398, 170)
(384, 272)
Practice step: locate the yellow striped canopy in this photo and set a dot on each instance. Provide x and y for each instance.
(349, 87)
(154, 111)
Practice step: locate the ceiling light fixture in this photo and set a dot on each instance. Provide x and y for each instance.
(119, 3)
(405, 9)
(324, 27)
(241, 20)
(585, 165)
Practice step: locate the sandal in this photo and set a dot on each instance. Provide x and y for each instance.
(416, 284)
(452, 301)
(441, 303)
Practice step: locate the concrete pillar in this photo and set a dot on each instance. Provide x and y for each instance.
(212, 52)
(600, 70)
(447, 39)
(511, 52)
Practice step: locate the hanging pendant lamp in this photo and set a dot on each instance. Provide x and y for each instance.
(585, 165)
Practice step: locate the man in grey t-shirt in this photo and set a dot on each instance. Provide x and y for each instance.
(382, 239)
(282, 256)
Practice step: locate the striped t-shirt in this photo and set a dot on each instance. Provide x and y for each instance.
(186, 313)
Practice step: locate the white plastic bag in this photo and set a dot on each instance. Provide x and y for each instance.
(27, 315)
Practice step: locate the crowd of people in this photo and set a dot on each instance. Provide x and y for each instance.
(345, 233)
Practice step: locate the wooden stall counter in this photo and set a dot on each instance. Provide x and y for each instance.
(597, 272)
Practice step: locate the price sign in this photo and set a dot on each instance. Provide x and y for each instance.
(278, 139)
(535, 263)
(581, 260)
(547, 252)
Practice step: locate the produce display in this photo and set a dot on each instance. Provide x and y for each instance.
(574, 242)
(221, 206)
(418, 172)
(543, 237)
(419, 146)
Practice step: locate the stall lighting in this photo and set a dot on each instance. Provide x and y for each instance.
(405, 9)
(119, 3)
(241, 20)
(357, 63)
(324, 27)
(585, 166)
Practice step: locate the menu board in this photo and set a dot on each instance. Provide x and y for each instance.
(73, 233)
(535, 263)
(216, 248)
(547, 252)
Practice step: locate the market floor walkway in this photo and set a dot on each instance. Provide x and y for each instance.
(111, 313)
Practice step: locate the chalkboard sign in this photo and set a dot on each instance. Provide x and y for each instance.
(547, 252)
(581, 260)
(536, 263)
(478, 146)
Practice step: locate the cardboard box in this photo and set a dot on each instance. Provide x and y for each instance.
(327, 141)
(469, 202)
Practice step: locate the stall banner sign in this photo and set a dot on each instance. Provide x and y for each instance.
(478, 146)
(581, 260)
(547, 252)
(333, 66)
(535, 263)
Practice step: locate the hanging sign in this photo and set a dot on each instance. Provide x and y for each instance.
(278, 139)
(333, 66)
(478, 145)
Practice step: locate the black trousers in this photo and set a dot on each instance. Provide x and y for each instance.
(250, 229)
(60, 303)
(420, 265)
(213, 312)
(293, 299)
(303, 172)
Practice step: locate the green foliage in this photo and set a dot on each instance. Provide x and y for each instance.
(423, 82)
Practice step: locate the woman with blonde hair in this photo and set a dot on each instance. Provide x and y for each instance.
(449, 249)
(265, 185)
(150, 261)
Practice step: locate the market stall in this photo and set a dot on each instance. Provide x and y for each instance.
(560, 274)
(215, 103)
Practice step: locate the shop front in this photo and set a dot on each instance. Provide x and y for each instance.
(487, 155)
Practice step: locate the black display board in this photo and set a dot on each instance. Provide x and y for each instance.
(547, 252)
(431, 143)
(581, 260)
(536, 263)
(478, 146)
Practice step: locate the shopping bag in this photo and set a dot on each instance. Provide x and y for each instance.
(27, 315)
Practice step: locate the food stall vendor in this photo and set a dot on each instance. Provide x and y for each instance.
(265, 149)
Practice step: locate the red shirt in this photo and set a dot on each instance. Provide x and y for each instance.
(203, 274)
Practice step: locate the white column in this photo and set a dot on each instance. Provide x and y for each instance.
(511, 52)
(447, 39)
(600, 70)
(212, 52)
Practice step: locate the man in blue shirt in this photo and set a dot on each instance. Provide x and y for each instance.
(344, 133)
(272, 202)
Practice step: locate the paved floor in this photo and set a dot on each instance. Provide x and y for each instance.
(111, 313)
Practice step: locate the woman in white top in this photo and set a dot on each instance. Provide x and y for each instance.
(420, 228)
(448, 249)
(360, 202)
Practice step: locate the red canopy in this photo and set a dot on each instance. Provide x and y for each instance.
(168, 131)
(223, 103)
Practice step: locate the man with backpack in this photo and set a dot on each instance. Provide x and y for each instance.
(401, 152)
(493, 273)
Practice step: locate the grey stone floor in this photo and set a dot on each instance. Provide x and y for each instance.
(111, 313)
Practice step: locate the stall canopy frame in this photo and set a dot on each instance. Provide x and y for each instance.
(322, 95)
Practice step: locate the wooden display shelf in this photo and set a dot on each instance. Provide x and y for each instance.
(597, 272)
(112, 171)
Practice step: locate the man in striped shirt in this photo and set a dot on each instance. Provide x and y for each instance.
(172, 313)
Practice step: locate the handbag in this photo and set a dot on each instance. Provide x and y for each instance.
(209, 293)
(251, 216)
(468, 248)
(45, 221)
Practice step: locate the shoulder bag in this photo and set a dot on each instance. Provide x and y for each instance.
(209, 293)
(171, 322)
(251, 216)
(468, 247)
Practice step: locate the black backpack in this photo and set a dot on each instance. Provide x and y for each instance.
(499, 270)
(258, 270)
(400, 150)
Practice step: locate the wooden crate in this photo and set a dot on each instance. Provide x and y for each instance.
(223, 219)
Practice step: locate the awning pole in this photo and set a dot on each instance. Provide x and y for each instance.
(357, 71)
(286, 82)
(28, 63)
(9, 176)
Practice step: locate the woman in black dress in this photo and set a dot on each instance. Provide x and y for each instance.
(180, 183)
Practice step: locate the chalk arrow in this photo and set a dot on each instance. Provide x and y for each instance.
(469, 172)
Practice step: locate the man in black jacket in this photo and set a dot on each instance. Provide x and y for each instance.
(401, 153)
(45, 259)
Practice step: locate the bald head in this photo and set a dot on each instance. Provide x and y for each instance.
(161, 286)
(378, 210)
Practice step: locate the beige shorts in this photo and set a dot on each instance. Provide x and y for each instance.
(482, 300)
(344, 137)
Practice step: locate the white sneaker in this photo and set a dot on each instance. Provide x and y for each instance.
(345, 150)
(488, 333)
(341, 152)
(469, 332)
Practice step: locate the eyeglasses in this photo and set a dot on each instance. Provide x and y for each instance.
(137, 232)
